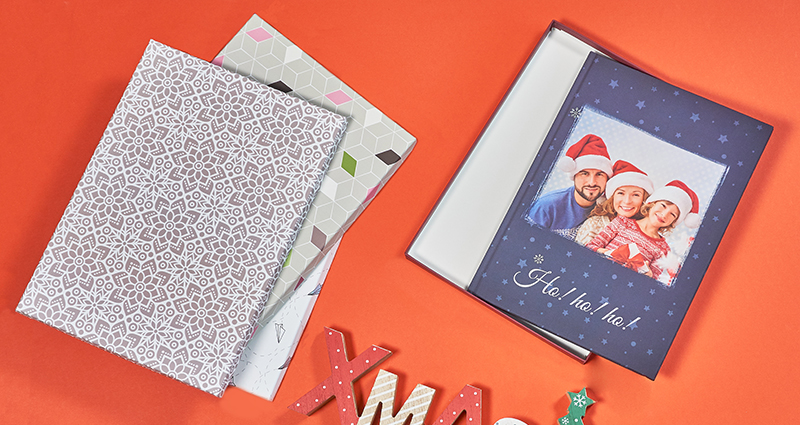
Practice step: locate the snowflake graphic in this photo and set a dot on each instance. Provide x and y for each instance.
(579, 400)
(228, 106)
(538, 258)
(575, 112)
(167, 83)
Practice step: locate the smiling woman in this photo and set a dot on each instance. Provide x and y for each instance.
(629, 187)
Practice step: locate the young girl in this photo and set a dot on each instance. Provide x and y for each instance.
(638, 244)
(626, 191)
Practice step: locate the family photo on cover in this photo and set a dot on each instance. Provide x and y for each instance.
(626, 194)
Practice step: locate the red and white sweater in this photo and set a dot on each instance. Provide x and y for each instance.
(622, 231)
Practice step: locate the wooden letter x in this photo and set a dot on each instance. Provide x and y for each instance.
(340, 383)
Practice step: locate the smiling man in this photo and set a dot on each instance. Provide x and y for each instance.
(563, 210)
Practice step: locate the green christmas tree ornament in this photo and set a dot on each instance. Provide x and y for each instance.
(577, 408)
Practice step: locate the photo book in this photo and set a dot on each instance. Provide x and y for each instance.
(601, 240)
(183, 217)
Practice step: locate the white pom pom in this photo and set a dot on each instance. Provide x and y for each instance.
(692, 221)
(566, 164)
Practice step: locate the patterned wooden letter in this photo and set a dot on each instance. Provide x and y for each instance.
(469, 401)
(340, 383)
(383, 392)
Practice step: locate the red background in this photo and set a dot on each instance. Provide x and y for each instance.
(439, 69)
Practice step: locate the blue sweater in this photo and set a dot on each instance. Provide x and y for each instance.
(559, 211)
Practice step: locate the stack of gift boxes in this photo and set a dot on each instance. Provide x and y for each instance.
(200, 234)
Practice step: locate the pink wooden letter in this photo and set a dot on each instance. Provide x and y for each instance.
(469, 401)
(340, 383)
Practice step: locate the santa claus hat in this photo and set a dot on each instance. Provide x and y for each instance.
(626, 174)
(679, 194)
(588, 153)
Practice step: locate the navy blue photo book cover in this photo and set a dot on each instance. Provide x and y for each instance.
(619, 216)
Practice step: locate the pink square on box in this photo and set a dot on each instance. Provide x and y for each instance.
(259, 34)
(338, 97)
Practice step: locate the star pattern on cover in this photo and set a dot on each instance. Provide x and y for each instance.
(691, 126)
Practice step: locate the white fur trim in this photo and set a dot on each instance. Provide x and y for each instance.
(675, 195)
(629, 179)
(595, 162)
(566, 164)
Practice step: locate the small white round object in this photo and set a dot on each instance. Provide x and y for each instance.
(509, 421)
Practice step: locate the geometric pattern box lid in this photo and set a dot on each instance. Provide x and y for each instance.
(166, 252)
(372, 149)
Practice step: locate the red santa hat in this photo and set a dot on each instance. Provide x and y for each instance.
(626, 174)
(588, 153)
(681, 195)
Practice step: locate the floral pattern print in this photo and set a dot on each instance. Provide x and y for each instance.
(176, 233)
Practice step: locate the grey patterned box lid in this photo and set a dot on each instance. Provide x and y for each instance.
(178, 228)
(370, 152)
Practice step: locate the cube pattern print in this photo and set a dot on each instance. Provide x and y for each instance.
(372, 149)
